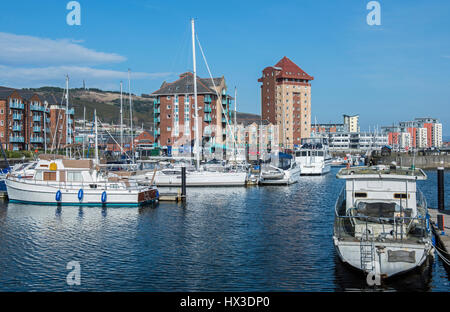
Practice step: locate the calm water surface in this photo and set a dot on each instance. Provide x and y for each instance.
(223, 239)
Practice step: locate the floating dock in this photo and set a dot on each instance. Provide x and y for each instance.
(442, 235)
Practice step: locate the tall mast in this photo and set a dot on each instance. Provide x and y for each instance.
(96, 136)
(121, 117)
(196, 141)
(84, 129)
(235, 125)
(67, 114)
(131, 115)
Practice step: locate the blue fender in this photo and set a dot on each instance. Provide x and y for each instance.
(58, 196)
(104, 197)
(80, 194)
(157, 194)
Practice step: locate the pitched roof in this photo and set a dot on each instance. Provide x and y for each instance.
(289, 69)
(185, 84)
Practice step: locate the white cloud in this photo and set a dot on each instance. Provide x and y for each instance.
(21, 77)
(29, 50)
(27, 61)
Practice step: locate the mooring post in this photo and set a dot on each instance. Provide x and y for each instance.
(183, 183)
(440, 177)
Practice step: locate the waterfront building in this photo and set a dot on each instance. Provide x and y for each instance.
(286, 101)
(356, 141)
(327, 128)
(351, 122)
(24, 119)
(174, 114)
(422, 137)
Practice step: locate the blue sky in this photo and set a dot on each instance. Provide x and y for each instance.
(396, 71)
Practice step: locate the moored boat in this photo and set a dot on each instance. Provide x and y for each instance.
(76, 182)
(381, 221)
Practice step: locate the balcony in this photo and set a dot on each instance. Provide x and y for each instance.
(70, 131)
(157, 132)
(37, 118)
(224, 119)
(207, 108)
(36, 129)
(157, 119)
(16, 105)
(157, 110)
(17, 128)
(207, 118)
(70, 121)
(47, 120)
(36, 140)
(16, 139)
(157, 101)
(207, 99)
(37, 108)
(17, 117)
(71, 111)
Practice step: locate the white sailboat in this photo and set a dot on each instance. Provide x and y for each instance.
(201, 176)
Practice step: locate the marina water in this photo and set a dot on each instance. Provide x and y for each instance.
(271, 238)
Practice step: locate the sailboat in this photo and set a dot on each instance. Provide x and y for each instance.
(200, 176)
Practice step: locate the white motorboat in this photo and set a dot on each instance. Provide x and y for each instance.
(76, 182)
(381, 221)
(313, 157)
(203, 178)
(288, 172)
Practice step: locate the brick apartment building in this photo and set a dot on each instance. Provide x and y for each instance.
(286, 101)
(174, 113)
(27, 118)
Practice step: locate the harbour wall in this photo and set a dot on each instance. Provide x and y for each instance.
(422, 161)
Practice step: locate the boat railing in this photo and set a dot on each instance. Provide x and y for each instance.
(102, 185)
(393, 227)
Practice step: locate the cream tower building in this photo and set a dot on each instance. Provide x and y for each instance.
(286, 101)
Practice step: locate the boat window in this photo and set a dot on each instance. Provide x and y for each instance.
(400, 195)
(94, 186)
(50, 176)
(38, 176)
(320, 153)
(361, 194)
(74, 176)
(304, 153)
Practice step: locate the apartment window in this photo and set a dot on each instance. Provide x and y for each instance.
(1, 111)
(168, 116)
(168, 97)
(169, 129)
(1, 134)
(1, 123)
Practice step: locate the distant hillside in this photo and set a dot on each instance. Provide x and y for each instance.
(107, 104)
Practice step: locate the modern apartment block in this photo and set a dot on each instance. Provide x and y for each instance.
(351, 122)
(174, 114)
(328, 128)
(423, 133)
(25, 119)
(286, 101)
(361, 141)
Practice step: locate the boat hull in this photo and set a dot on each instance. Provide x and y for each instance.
(46, 195)
(201, 179)
(290, 176)
(350, 253)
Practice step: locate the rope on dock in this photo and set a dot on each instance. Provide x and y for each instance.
(443, 258)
